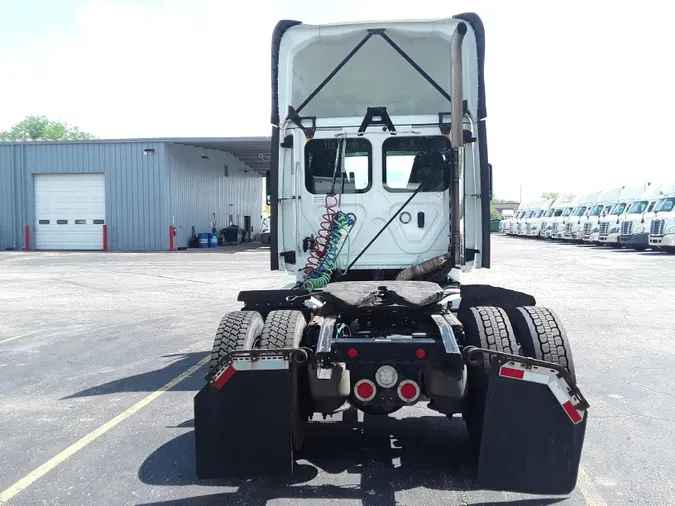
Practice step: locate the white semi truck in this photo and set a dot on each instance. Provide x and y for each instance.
(505, 219)
(551, 216)
(558, 226)
(634, 225)
(599, 211)
(379, 144)
(534, 224)
(608, 230)
(520, 213)
(662, 225)
(573, 226)
(531, 213)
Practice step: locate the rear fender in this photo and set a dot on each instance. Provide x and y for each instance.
(533, 428)
(243, 415)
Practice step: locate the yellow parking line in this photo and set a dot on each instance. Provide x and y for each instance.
(17, 337)
(38, 473)
(588, 489)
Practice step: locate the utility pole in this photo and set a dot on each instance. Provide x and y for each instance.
(521, 194)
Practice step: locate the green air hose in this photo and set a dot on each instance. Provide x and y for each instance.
(323, 273)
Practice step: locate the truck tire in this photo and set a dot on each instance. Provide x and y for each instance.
(238, 330)
(542, 336)
(486, 327)
(285, 328)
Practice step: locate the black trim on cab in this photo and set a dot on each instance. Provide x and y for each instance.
(278, 33)
(485, 170)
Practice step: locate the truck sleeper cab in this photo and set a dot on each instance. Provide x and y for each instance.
(558, 227)
(532, 226)
(574, 225)
(634, 226)
(662, 227)
(521, 215)
(609, 229)
(551, 216)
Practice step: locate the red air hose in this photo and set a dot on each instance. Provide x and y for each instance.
(318, 252)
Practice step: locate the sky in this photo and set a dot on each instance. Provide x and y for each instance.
(580, 95)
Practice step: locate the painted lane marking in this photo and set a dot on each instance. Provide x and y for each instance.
(38, 473)
(18, 337)
(588, 489)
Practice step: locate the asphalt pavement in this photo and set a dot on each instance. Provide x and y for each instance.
(100, 359)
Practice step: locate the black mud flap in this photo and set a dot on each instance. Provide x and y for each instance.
(533, 431)
(243, 429)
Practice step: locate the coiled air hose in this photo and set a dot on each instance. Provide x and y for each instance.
(323, 256)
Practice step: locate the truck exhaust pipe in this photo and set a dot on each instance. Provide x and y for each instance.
(456, 249)
(457, 140)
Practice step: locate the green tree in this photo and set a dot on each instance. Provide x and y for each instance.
(495, 215)
(42, 128)
(550, 195)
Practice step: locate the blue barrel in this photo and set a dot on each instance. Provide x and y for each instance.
(203, 240)
(213, 240)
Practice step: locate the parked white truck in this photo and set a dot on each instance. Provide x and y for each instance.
(506, 219)
(603, 205)
(662, 226)
(558, 227)
(609, 227)
(550, 216)
(523, 209)
(634, 225)
(533, 224)
(573, 226)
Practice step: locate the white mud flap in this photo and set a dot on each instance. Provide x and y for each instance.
(243, 416)
(533, 429)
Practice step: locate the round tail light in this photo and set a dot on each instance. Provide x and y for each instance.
(364, 390)
(408, 391)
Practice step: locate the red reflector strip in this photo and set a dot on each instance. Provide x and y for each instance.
(508, 372)
(224, 377)
(545, 377)
(572, 412)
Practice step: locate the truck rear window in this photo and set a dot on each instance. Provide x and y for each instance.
(320, 167)
(407, 161)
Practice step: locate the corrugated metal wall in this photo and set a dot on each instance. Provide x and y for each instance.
(143, 192)
(8, 233)
(198, 188)
(135, 188)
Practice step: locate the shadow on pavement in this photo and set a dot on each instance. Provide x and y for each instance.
(148, 381)
(388, 454)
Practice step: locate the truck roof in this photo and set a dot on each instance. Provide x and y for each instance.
(666, 190)
(376, 74)
(590, 198)
(632, 192)
(609, 196)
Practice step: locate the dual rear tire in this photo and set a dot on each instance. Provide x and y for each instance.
(530, 331)
(246, 330)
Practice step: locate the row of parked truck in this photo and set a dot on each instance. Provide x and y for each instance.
(638, 217)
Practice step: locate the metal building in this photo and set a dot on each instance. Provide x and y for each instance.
(128, 195)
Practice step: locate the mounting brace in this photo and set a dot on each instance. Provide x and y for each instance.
(376, 116)
(309, 131)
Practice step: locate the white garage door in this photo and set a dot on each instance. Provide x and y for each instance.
(69, 211)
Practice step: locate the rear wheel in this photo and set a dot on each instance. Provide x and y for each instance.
(486, 327)
(542, 336)
(284, 329)
(238, 330)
